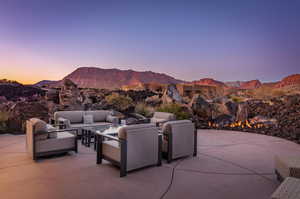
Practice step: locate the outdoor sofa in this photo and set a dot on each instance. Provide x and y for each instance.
(43, 139)
(135, 146)
(179, 139)
(81, 119)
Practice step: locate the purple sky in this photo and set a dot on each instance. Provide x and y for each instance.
(225, 40)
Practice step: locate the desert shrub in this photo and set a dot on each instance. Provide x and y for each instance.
(119, 102)
(278, 93)
(3, 120)
(264, 92)
(236, 99)
(176, 109)
(143, 109)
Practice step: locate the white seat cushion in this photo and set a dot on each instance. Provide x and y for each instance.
(64, 140)
(111, 149)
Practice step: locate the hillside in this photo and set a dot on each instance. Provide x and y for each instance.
(209, 82)
(44, 83)
(90, 77)
(289, 81)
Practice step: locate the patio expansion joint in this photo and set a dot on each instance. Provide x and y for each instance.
(219, 173)
(242, 167)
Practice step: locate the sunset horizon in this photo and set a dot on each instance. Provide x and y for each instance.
(207, 39)
(30, 81)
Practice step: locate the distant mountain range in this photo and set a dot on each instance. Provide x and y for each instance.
(44, 83)
(91, 77)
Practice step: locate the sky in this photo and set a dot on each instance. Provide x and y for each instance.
(188, 39)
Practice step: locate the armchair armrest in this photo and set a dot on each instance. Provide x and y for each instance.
(63, 130)
(110, 137)
(123, 152)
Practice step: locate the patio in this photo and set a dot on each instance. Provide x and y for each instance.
(229, 165)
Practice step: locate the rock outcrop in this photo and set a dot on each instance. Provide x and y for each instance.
(249, 85)
(209, 82)
(291, 80)
(171, 95)
(242, 112)
(70, 97)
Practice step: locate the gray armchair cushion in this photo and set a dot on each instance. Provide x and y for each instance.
(88, 119)
(158, 120)
(164, 115)
(124, 130)
(99, 116)
(73, 116)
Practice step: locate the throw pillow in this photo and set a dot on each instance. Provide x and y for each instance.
(88, 119)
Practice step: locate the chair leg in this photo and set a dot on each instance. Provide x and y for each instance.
(99, 149)
(76, 145)
(195, 143)
(82, 137)
(278, 176)
(123, 172)
(76, 149)
(123, 162)
(159, 150)
(170, 148)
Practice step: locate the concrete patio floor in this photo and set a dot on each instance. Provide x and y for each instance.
(229, 165)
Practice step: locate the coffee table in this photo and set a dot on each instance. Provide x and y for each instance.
(89, 133)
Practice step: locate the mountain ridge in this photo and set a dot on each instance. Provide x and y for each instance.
(93, 77)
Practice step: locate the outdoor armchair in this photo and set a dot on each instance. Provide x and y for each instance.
(135, 147)
(43, 139)
(179, 139)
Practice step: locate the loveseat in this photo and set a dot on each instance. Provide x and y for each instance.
(80, 119)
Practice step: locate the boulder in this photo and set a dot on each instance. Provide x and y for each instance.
(201, 107)
(153, 101)
(242, 112)
(52, 95)
(171, 95)
(70, 97)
